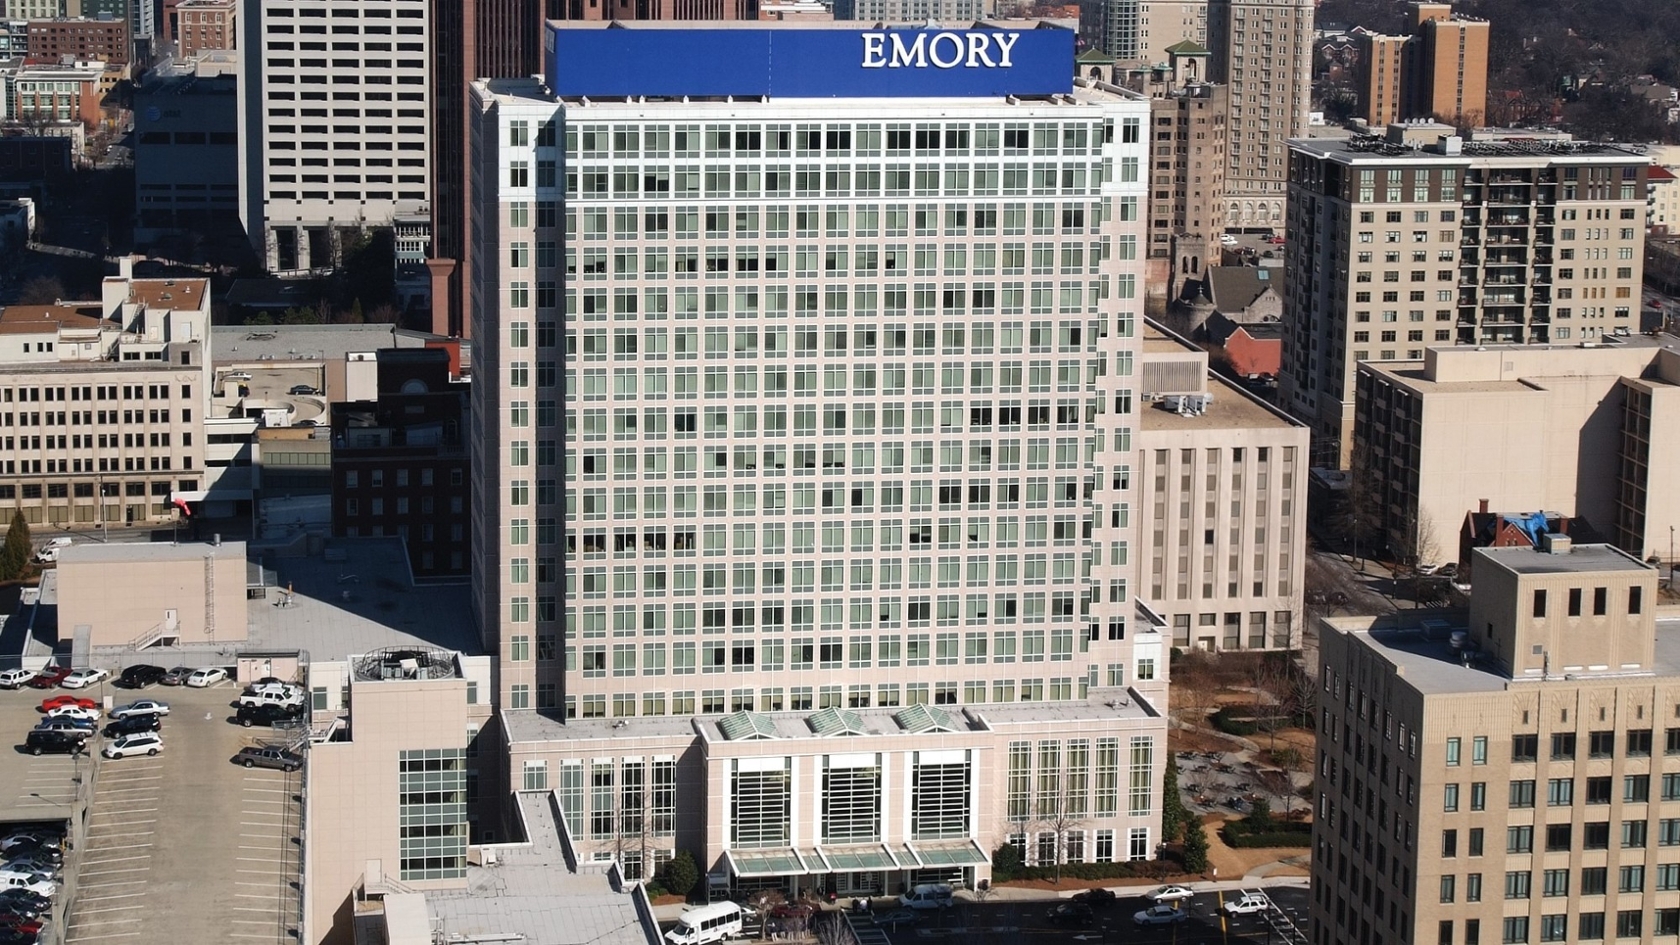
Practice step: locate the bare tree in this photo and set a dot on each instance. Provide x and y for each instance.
(830, 928)
(1358, 515)
(1059, 812)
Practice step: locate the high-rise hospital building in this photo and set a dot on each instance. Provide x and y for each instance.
(804, 400)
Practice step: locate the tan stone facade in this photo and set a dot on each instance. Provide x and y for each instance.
(1263, 50)
(1462, 802)
(1580, 431)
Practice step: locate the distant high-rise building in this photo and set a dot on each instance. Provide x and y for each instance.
(1262, 49)
(910, 11)
(202, 25)
(1138, 32)
(501, 39)
(1416, 239)
(58, 40)
(333, 141)
(1439, 71)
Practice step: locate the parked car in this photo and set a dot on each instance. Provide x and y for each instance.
(140, 707)
(177, 676)
(15, 678)
(49, 677)
(31, 837)
(63, 724)
(19, 924)
(129, 725)
(1226, 239)
(1159, 915)
(250, 715)
(208, 676)
(141, 675)
(272, 686)
(898, 917)
(304, 390)
(237, 376)
(1095, 896)
(1069, 913)
(49, 552)
(1248, 903)
(32, 882)
(1169, 894)
(76, 712)
(83, 678)
(140, 743)
(36, 863)
(268, 758)
(47, 705)
(272, 697)
(25, 903)
(55, 741)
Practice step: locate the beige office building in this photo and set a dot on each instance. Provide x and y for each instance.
(1417, 238)
(1512, 783)
(1379, 77)
(781, 451)
(102, 403)
(1583, 430)
(1263, 50)
(1139, 32)
(1222, 493)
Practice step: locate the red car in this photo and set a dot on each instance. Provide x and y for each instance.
(12, 922)
(47, 705)
(49, 677)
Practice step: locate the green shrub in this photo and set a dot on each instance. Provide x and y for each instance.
(680, 874)
(1280, 837)
(1007, 866)
(1195, 847)
(1227, 721)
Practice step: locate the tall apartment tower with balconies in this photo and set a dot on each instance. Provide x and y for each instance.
(805, 410)
(1398, 243)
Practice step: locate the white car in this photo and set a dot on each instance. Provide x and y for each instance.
(1249, 904)
(1169, 894)
(49, 552)
(1227, 239)
(208, 676)
(15, 678)
(142, 707)
(72, 711)
(37, 883)
(83, 678)
(140, 743)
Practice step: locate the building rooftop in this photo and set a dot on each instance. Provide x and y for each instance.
(33, 319)
(358, 598)
(533, 895)
(1084, 92)
(172, 294)
(250, 343)
(1426, 660)
(93, 552)
(1580, 558)
(1467, 369)
(1379, 149)
(1231, 406)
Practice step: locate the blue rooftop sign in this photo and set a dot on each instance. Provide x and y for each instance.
(808, 63)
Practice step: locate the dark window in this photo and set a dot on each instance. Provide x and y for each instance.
(1449, 843)
(1574, 602)
(1594, 837)
(1601, 601)
(1525, 747)
(1598, 790)
(1563, 746)
(1540, 602)
(1601, 744)
(1475, 841)
(1522, 793)
(1636, 599)
(1639, 743)
(1558, 837)
(1593, 880)
(1671, 741)
(1592, 923)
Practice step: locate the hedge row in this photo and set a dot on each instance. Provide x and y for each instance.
(1272, 838)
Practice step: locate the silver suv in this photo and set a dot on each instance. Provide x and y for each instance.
(268, 758)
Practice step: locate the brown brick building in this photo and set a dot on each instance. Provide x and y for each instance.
(200, 25)
(106, 40)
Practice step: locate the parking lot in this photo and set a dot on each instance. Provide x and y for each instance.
(181, 847)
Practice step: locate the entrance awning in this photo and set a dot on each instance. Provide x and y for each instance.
(779, 861)
(858, 859)
(958, 853)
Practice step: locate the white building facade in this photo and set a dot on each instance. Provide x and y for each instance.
(804, 418)
(336, 124)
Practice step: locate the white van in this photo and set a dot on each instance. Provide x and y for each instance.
(927, 896)
(703, 924)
